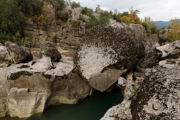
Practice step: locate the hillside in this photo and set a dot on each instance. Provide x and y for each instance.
(162, 24)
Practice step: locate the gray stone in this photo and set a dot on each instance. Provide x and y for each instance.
(17, 53)
(107, 47)
(49, 50)
(27, 88)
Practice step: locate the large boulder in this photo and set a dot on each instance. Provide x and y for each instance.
(106, 53)
(17, 53)
(27, 88)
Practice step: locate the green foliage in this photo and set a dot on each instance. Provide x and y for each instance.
(125, 14)
(30, 7)
(63, 15)
(75, 5)
(92, 22)
(154, 29)
(59, 6)
(11, 21)
(150, 26)
(103, 19)
(146, 26)
(117, 17)
(87, 11)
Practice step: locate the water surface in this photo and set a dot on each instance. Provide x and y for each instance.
(92, 108)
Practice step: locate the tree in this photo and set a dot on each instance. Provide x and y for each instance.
(149, 25)
(174, 32)
(11, 20)
(30, 7)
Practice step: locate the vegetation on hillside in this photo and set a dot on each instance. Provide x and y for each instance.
(47, 12)
(11, 21)
(174, 32)
(149, 25)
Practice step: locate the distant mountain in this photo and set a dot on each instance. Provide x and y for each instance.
(161, 24)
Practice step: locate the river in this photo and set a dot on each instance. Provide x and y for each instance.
(92, 108)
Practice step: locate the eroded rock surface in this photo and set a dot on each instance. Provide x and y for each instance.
(18, 54)
(157, 97)
(107, 47)
(27, 88)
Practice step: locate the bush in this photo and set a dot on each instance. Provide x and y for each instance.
(149, 25)
(63, 15)
(154, 29)
(146, 26)
(75, 5)
(103, 19)
(174, 32)
(117, 17)
(30, 7)
(59, 6)
(11, 20)
(87, 11)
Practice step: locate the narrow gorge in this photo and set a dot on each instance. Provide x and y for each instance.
(112, 71)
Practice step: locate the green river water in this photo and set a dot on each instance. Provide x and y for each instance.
(92, 108)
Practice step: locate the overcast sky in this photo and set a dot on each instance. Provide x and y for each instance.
(156, 9)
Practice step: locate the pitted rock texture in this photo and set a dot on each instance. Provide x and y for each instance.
(154, 93)
(106, 47)
(18, 54)
(49, 50)
(27, 88)
(159, 95)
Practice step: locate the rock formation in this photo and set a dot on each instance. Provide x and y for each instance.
(106, 53)
(156, 95)
(27, 88)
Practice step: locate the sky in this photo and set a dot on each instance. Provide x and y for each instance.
(158, 10)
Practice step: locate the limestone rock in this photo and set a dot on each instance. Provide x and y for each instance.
(4, 55)
(119, 112)
(106, 47)
(49, 50)
(170, 49)
(27, 88)
(152, 94)
(159, 97)
(17, 53)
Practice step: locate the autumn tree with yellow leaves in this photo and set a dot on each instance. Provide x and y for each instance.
(174, 32)
(132, 17)
(45, 17)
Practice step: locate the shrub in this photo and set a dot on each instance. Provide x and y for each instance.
(149, 25)
(75, 5)
(87, 11)
(117, 17)
(103, 19)
(63, 15)
(131, 18)
(59, 6)
(174, 32)
(146, 26)
(154, 29)
(30, 7)
(11, 20)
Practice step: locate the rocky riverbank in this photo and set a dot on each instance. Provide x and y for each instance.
(154, 95)
(116, 54)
